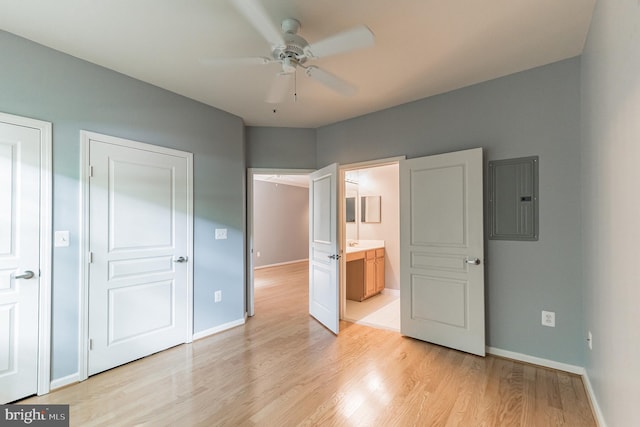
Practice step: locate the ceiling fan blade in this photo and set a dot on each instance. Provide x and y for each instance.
(249, 60)
(279, 88)
(331, 81)
(355, 38)
(257, 15)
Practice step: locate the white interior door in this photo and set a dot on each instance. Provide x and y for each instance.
(19, 259)
(138, 234)
(442, 250)
(323, 247)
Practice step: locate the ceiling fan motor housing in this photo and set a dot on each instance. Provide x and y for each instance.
(292, 53)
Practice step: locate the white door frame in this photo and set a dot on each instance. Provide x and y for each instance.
(46, 230)
(249, 307)
(85, 138)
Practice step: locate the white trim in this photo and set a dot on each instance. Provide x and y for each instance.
(392, 292)
(83, 312)
(83, 240)
(218, 329)
(373, 163)
(46, 230)
(45, 252)
(249, 292)
(281, 263)
(65, 381)
(595, 408)
(579, 370)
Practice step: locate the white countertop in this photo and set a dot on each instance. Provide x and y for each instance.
(363, 245)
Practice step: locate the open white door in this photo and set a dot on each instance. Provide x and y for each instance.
(442, 250)
(323, 247)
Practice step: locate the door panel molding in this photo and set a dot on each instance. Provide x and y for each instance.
(45, 250)
(85, 173)
(442, 250)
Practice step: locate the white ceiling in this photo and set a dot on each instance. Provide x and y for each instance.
(423, 47)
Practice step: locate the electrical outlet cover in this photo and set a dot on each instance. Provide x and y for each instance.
(549, 319)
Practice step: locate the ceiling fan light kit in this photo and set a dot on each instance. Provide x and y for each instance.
(292, 51)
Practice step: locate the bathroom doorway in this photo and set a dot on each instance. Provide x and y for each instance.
(371, 242)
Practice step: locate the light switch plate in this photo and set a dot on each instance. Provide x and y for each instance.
(61, 239)
(221, 233)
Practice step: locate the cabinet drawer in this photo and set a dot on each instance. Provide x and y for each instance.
(355, 255)
(379, 252)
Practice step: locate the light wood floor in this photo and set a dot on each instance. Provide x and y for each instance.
(282, 368)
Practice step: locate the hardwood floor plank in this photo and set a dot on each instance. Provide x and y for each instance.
(282, 368)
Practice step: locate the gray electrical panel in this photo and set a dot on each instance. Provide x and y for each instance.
(513, 199)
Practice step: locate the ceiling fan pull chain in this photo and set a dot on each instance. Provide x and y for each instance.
(295, 86)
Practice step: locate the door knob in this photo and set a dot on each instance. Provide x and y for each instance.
(473, 261)
(26, 275)
(336, 256)
(180, 259)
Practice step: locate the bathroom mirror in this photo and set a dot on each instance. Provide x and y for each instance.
(370, 209)
(351, 209)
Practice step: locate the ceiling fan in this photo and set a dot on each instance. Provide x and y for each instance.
(292, 51)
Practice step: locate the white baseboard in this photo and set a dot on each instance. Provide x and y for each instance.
(595, 408)
(217, 329)
(579, 370)
(392, 292)
(282, 263)
(64, 381)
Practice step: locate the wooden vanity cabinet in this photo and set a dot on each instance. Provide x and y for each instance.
(365, 274)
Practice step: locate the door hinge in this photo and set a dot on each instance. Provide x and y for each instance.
(90, 171)
(90, 257)
(90, 344)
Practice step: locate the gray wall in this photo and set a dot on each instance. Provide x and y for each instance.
(535, 112)
(611, 226)
(281, 148)
(72, 94)
(281, 223)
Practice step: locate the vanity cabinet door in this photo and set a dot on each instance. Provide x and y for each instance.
(370, 273)
(355, 279)
(365, 274)
(379, 270)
